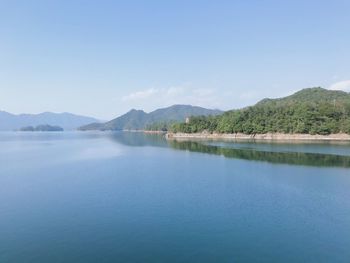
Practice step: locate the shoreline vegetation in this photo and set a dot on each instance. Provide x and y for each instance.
(309, 114)
(263, 137)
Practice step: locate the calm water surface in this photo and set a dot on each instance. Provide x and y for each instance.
(129, 197)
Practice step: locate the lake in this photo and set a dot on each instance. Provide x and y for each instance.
(131, 197)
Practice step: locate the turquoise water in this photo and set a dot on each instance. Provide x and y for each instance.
(129, 197)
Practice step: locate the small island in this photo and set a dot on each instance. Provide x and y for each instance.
(44, 127)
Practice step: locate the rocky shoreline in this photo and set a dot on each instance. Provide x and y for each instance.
(267, 136)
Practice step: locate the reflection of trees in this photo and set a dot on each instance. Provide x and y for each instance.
(295, 158)
(139, 139)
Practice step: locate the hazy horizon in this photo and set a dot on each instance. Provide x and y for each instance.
(147, 111)
(101, 59)
(65, 112)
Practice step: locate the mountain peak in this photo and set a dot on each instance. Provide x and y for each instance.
(139, 120)
(314, 94)
(135, 111)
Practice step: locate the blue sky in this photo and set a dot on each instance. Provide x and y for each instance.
(102, 58)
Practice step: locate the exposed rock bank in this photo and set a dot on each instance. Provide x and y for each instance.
(267, 136)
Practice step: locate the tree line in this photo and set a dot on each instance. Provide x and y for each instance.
(302, 114)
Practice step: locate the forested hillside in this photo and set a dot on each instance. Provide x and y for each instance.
(309, 111)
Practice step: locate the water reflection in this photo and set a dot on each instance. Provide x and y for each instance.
(254, 154)
(294, 158)
(139, 139)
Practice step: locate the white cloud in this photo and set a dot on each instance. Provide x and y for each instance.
(153, 98)
(341, 85)
(173, 91)
(140, 95)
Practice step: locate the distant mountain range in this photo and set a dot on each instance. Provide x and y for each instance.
(139, 120)
(68, 121)
(309, 111)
